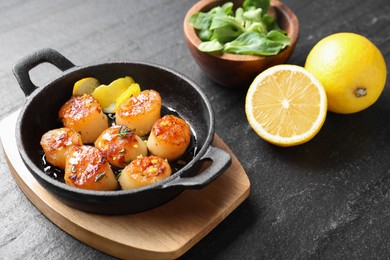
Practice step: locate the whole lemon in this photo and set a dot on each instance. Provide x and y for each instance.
(351, 69)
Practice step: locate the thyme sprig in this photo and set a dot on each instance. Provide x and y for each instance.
(100, 176)
(123, 131)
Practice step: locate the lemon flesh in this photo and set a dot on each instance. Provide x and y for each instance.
(351, 69)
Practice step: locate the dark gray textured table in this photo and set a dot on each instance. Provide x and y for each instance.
(327, 199)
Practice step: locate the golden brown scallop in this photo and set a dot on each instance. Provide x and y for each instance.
(87, 168)
(170, 137)
(84, 115)
(144, 171)
(56, 144)
(121, 145)
(140, 111)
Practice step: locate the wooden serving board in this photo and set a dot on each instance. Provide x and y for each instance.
(166, 232)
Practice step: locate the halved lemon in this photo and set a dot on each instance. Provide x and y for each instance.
(286, 105)
(85, 86)
(107, 94)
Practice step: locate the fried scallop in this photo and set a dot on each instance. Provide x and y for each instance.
(144, 171)
(87, 168)
(121, 145)
(140, 111)
(84, 115)
(56, 144)
(169, 138)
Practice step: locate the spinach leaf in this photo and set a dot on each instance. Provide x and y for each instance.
(201, 21)
(225, 9)
(255, 4)
(240, 14)
(253, 15)
(205, 35)
(253, 43)
(226, 21)
(211, 46)
(278, 36)
(228, 8)
(259, 27)
(225, 28)
(225, 34)
(270, 23)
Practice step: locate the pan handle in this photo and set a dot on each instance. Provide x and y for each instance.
(221, 160)
(22, 68)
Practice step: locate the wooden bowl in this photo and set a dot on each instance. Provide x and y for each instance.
(234, 70)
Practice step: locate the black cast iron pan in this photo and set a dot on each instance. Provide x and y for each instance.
(40, 114)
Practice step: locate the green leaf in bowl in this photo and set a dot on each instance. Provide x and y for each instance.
(250, 43)
(211, 46)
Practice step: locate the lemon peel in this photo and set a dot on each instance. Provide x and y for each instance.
(351, 69)
(85, 86)
(108, 94)
(133, 90)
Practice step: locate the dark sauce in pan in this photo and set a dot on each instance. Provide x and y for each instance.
(189, 154)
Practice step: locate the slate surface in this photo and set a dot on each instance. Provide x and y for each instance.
(327, 199)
